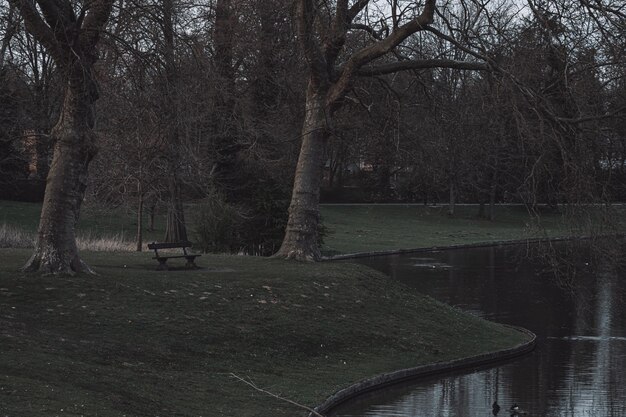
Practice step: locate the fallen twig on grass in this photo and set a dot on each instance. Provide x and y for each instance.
(271, 394)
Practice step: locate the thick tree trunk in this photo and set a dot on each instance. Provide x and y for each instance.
(71, 41)
(55, 250)
(301, 241)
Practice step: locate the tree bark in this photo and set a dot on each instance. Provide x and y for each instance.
(301, 240)
(327, 88)
(452, 200)
(139, 217)
(152, 209)
(175, 230)
(55, 250)
(481, 209)
(10, 31)
(71, 41)
(492, 197)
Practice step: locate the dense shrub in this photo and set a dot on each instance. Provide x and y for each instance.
(219, 225)
(254, 225)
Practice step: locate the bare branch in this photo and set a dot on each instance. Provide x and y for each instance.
(592, 118)
(380, 48)
(337, 37)
(305, 14)
(376, 34)
(38, 28)
(421, 64)
(56, 14)
(95, 22)
(356, 9)
(271, 394)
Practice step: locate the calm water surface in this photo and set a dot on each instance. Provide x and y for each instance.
(578, 368)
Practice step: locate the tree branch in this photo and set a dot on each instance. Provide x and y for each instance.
(421, 64)
(378, 49)
(337, 37)
(271, 394)
(55, 14)
(373, 33)
(94, 23)
(356, 9)
(305, 15)
(38, 28)
(585, 119)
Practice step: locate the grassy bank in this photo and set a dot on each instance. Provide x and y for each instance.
(99, 228)
(95, 220)
(133, 341)
(350, 228)
(365, 228)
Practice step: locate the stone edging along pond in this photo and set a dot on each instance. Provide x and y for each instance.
(404, 375)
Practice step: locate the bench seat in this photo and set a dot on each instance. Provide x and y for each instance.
(162, 259)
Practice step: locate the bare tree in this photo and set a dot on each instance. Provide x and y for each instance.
(10, 28)
(70, 33)
(323, 33)
(176, 230)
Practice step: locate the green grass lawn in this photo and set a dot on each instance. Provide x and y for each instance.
(350, 228)
(365, 228)
(133, 341)
(95, 220)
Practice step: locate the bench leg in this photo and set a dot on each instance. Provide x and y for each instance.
(191, 264)
(162, 264)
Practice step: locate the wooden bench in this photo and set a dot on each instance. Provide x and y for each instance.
(172, 245)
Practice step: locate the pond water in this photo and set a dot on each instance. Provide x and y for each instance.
(578, 367)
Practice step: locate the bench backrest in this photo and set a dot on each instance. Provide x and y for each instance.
(169, 245)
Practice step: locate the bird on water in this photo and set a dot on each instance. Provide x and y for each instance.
(516, 411)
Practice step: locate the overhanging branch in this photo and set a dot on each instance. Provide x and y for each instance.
(421, 64)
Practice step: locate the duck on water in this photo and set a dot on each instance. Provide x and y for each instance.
(515, 410)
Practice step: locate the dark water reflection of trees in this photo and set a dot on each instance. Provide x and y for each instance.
(579, 366)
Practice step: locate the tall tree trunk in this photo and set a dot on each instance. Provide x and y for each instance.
(152, 210)
(481, 209)
(301, 240)
(71, 41)
(175, 230)
(139, 217)
(332, 169)
(326, 90)
(492, 198)
(8, 34)
(74, 148)
(224, 131)
(452, 201)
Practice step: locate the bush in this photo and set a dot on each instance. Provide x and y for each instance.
(219, 225)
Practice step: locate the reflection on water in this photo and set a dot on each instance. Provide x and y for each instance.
(578, 368)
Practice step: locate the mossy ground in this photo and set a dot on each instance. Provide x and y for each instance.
(134, 341)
